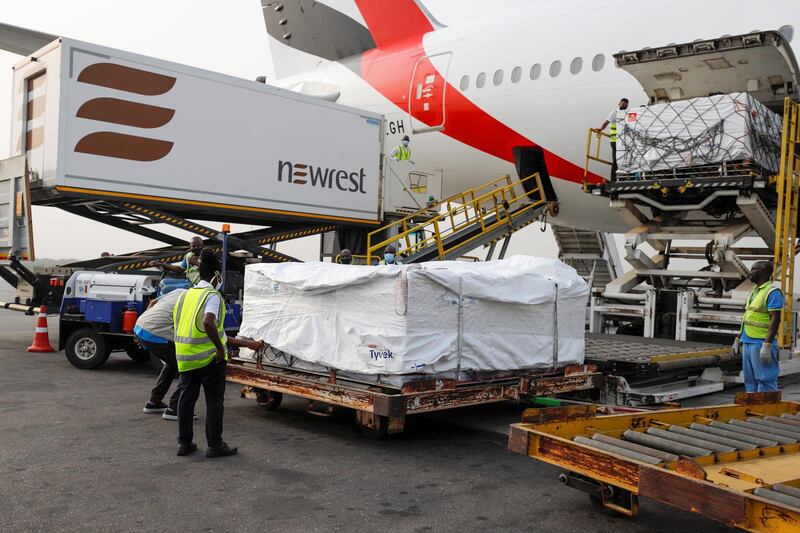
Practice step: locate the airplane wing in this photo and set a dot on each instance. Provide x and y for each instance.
(23, 41)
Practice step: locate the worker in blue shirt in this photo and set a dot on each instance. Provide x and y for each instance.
(757, 342)
(155, 332)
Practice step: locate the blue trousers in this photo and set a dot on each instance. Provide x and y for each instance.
(759, 377)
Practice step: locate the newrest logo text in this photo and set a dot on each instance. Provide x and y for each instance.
(322, 177)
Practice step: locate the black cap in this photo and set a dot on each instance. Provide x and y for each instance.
(405, 138)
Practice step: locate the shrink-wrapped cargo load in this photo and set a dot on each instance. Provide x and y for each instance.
(439, 318)
(726, 128)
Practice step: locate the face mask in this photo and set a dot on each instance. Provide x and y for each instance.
(389, 258)
(405, 143)
(216, 282)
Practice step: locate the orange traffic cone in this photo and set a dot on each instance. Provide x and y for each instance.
(41, 340)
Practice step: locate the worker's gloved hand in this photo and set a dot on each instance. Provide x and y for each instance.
(766, 353)
(736, 349)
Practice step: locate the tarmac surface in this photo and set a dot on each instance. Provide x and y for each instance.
(78, 454)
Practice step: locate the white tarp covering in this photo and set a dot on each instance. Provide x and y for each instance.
(432, 318)
(700, 131)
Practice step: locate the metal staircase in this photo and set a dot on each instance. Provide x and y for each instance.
(465, 221)
(788, 186)
(591, 253)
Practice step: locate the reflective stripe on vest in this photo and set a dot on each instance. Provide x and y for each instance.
(192, 272)
(613, 132)
(756, 315)
(405, 153)
(193, 348)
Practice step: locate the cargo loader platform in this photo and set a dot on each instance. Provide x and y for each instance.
(382, 409)
(738, 464)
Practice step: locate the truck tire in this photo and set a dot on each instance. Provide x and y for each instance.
(268, 400)
(138, 354)
(86, 349)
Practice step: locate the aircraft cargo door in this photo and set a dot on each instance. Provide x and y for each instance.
(426, 98)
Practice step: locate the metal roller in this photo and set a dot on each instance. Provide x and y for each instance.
(617, 450)
(664, 444)
(738, 444)
(669, 457)
(777, 497)
(757, 432)
(790, 430)
(722, 432)
(691, 441)
(790, 416)
(786, 489)
(788, 421)
(759, 425)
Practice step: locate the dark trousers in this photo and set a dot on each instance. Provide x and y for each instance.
(212, 378)
(166, 353)
(613, 160)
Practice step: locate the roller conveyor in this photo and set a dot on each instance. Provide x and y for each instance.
(738, 464)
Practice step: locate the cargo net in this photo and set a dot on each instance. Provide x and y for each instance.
(730, 135)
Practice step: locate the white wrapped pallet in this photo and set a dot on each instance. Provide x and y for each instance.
(701, 131)
(435, 318)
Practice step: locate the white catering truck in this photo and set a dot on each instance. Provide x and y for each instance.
(99, 123)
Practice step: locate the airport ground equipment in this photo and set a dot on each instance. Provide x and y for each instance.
(592, 253)
(738, 464)
(92, 318)
(703, 212)
(382, 409)
(99, 310)
(477, 217)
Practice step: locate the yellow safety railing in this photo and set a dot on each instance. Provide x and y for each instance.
(594, 141)
(488, 206)
(788, 186)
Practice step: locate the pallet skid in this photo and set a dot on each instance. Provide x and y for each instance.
(384, 408)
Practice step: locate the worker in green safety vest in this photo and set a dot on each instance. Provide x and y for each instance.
(757, 342)
(402, 152)
(202, 355)
(615, 119)
(190, 264)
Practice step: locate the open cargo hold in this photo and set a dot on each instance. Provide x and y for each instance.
(727, 128)
(445, 318)
(102, 123)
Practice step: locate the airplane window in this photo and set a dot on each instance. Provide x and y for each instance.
(536, 70)
(787, 32)
(555, 68)
(598, 62)
(465, 83)
(498, 77)
(576, 65)
(516, 74)
(481, 80)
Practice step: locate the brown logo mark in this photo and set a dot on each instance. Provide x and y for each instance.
(299, 173)
(124, 112)
(123, 146)
(130, 80)
(127, 113)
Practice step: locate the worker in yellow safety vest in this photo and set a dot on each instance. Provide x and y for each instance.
(402, 152)
(616, 119)
(201, 353)
(757, 341)
(189, 265)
